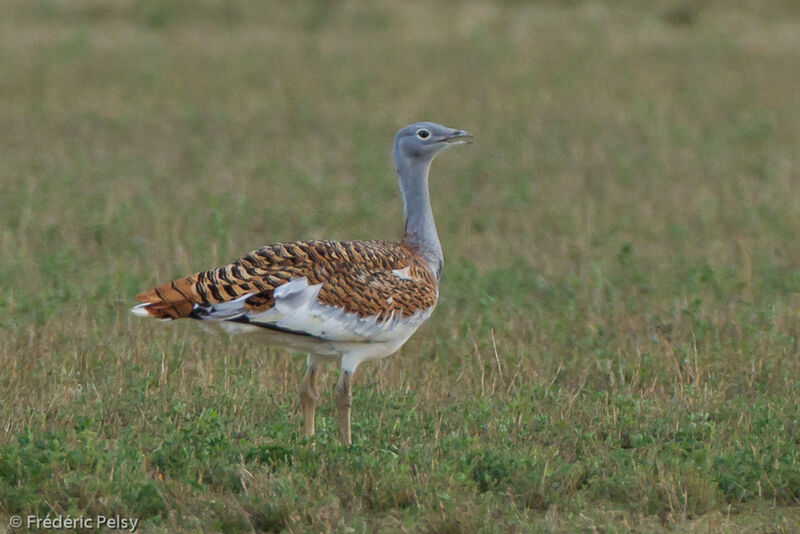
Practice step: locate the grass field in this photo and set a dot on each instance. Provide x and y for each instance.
(617, 342)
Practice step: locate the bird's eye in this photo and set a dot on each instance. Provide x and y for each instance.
(423, 133)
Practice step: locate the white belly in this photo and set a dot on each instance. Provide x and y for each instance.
(393, 337)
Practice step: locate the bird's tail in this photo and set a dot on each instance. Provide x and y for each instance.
(172, 300)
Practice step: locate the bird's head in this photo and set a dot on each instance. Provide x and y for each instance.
(421, 141)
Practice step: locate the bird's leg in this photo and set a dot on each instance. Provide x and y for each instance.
(344, 397)
(308, 396)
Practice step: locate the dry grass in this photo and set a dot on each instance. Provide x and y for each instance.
(616, 343)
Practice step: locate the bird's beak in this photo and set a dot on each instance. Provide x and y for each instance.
(457, 137)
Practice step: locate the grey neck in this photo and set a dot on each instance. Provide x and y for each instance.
(420, 231)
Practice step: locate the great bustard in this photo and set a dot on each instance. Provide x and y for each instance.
(344, 301)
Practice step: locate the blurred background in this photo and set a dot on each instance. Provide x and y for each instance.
(624, 224)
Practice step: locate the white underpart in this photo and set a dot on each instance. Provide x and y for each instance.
(331, 332)
(226, 310)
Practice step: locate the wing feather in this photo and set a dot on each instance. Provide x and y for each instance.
(342, 291)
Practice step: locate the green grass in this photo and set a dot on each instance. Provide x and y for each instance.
(616, 344)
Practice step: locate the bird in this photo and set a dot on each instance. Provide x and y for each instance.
(342, 302)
